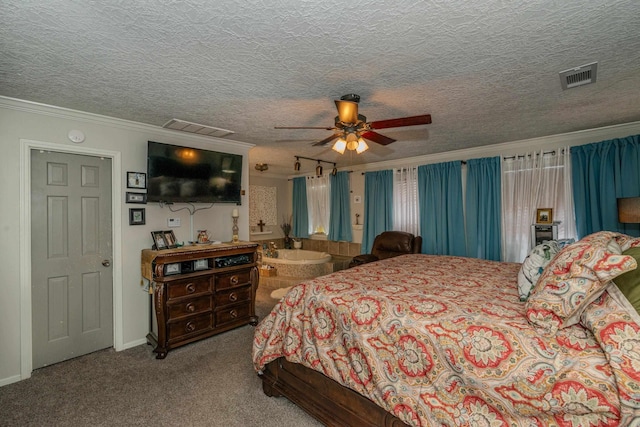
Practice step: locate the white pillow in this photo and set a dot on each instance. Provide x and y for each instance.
(533, 266)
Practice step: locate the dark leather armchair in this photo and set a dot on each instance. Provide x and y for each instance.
(389, 244)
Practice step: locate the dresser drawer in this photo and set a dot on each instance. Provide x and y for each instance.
(188, 307)
(183, 288)
(232, 314)
(190, 326)
(233, 296)
(229, 280)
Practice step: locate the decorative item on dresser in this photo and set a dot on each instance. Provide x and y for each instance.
(199, 291)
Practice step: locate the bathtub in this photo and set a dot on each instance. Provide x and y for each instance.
(300, 263)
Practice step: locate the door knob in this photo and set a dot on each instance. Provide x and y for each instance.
(106, 263)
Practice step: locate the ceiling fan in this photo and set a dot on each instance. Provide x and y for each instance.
(351, 129)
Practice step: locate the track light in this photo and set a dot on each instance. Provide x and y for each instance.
(319, 169)
(296, 165)
(334, 171)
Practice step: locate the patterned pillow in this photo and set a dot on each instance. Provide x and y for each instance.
(533, 266)
(577, 276)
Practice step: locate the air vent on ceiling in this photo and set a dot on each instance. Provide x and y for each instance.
(184, 126)
(579, 76)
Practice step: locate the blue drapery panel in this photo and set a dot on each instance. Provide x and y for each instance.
(300, 211)
(340, 210)
(602, 172)
(378, 206)
(441, 216)
(483, 208)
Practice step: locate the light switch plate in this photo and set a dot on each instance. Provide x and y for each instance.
(173, 222)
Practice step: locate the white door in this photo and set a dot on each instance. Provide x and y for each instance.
(71, 252)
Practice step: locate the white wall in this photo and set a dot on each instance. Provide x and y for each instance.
(28, 123)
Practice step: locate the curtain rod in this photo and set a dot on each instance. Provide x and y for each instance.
(529, 155)
(464, 162)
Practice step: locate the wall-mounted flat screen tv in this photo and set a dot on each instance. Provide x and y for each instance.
(178, 174)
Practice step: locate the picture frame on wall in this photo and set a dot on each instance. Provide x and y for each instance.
(544, 216)
(131, 197)
(137, 180)
(136, 216)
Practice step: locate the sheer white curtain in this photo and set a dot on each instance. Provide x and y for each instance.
(318, 203)
(405, 201)
(529, 182)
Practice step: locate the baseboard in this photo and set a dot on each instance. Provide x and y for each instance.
(132, 344)
(10, 380)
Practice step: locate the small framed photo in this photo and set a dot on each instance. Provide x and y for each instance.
(135, 197)
(170, 239)
(136, 216)
(159, 240)
(544, 216)
(136, 180)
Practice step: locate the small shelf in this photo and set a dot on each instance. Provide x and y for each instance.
(257, 233)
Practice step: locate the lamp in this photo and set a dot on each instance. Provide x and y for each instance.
(296, 165)
(351, 141)
(262, 167)
(319, 169)
(362, 146)
(629, 210)
(340, 145)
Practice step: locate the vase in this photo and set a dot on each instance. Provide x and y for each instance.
(287, 242)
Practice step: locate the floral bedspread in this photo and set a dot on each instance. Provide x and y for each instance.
(443, 341)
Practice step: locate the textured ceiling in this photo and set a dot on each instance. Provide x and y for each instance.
(487, 70)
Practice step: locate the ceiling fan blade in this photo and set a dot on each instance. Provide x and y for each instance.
(303, 127)
(326, 140)
(401, 122)
(347, 111)
(376, 137)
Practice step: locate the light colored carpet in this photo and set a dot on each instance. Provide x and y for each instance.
(207, 383)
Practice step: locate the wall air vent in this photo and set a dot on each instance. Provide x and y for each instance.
(579, 76)
(184, 126)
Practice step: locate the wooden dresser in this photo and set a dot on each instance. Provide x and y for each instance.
(199, 291)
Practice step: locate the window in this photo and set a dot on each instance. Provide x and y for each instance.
(529, 182)
(318, 204)
(405, 201)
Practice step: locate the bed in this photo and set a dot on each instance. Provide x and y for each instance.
(423, 340)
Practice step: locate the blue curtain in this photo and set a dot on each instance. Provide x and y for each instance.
(601, 173)
(300, 211)
(483, 208)
(441, 217)
(378, 206)
(340, 209)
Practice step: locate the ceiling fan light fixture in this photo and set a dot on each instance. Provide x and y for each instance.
(340, 146)
(362, 146)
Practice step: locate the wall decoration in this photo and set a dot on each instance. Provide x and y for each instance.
(263, 205)
(136, 180)
(136, 216)
(136, 197)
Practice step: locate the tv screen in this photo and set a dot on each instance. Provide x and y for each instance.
(182, 174)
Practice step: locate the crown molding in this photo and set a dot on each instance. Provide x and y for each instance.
(67, 113)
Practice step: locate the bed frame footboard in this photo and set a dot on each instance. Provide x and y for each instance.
(323, 398)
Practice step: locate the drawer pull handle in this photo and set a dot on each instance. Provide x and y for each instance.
(233, 296)
(190, 327)
(233, 313)
(234, 280)
(190, 307)
(191, 288)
